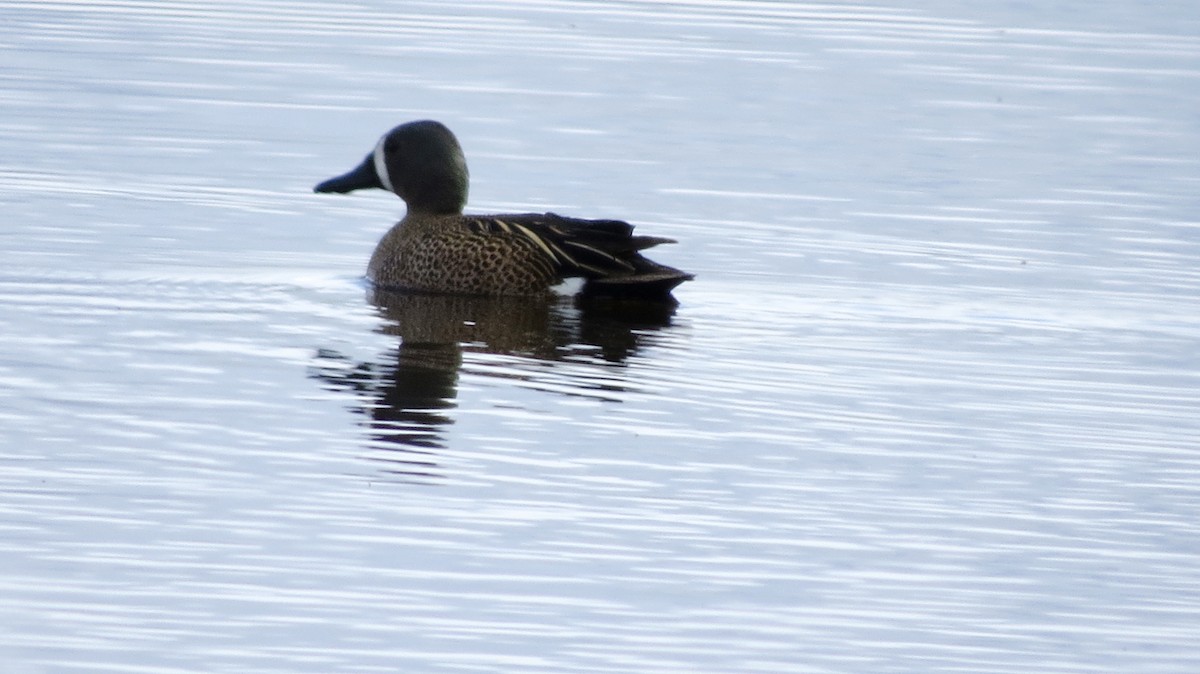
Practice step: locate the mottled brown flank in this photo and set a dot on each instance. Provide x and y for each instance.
(442, 254)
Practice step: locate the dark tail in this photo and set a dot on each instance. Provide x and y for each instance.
(652, 283)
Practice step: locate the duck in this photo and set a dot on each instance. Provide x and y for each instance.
(437, 248)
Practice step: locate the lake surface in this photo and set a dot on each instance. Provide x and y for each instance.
(932, 403)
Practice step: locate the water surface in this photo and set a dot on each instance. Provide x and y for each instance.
(930, 404)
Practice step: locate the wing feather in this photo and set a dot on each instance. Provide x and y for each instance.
(595, 249)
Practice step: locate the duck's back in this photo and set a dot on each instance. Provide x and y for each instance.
(519, 254)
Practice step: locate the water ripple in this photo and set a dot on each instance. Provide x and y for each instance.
(929, 405)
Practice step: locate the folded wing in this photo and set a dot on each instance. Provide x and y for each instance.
(605, 252)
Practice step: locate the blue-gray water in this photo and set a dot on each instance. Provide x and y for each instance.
(931, 405)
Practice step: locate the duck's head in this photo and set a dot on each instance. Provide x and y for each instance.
(421, 162)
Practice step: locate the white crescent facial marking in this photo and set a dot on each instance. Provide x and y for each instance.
(381, 165)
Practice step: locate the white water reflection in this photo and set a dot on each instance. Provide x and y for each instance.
(929, 405)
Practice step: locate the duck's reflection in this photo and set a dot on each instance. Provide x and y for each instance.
(408, 396)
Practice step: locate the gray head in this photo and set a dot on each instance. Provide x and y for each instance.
(421, 162)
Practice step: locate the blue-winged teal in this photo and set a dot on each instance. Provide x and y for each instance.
(437, 248)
